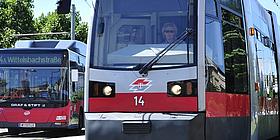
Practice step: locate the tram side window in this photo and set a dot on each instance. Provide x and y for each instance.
(267, 77)
(236, 74)
(233, 4)
(214, 56)
(211, 8)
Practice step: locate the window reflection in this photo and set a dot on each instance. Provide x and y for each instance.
(233, 4)
(211, 7)
(232, 18)
(131, 34)
(235, 56)
(268, 80)
(35, 84)
(214, 56)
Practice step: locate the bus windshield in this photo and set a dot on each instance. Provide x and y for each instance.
(130, 33)
(43, 87)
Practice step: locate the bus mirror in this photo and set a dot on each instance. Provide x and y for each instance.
(74, 75)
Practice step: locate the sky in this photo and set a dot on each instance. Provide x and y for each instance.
(83, 6)
(270, 5)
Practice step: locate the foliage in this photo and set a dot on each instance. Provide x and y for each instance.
(81, 32)
(54, 22)
(15, 17)
(6, 38)
(78, 95)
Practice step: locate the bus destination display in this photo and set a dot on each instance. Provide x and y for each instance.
(31, 59)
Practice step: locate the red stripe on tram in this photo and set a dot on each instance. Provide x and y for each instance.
(227, 105)
(143, 102)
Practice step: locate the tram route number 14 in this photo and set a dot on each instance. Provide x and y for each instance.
(138, 100)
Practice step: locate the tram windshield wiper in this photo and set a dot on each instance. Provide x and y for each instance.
(185, 34)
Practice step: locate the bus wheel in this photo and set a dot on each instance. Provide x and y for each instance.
(13, 131)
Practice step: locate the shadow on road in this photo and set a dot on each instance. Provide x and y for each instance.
(54, 133)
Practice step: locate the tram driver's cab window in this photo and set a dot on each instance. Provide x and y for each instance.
(171, 27)
(136, 31)
(131, 34)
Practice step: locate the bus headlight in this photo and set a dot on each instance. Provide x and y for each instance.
(176, 89)
(107, 90)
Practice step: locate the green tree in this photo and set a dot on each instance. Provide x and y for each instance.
(15, 18)
(54, 22)
(82, 32)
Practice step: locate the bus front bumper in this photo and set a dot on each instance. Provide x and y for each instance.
(32, 125)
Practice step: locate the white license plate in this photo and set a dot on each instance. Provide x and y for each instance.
(28, 125)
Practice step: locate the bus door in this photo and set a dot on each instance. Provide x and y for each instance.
(74, 101)
(76, 92)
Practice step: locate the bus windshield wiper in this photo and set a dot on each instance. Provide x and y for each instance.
(180, 39)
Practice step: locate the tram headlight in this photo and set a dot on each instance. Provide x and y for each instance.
(101, 89)
(107, 90)
(176, 89)
(189, 88)
(182, 88)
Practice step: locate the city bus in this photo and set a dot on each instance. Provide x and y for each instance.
(42, 85)
(217, 80)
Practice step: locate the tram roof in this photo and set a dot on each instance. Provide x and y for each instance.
(73, 45)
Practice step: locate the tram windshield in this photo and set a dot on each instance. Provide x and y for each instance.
(130, 33)
(45, 87)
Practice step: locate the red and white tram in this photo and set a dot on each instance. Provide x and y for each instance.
(218, 79)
